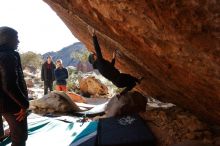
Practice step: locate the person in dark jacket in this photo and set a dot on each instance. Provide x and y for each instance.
(108, 70)
(2, 133)
(47, 74)
(13, 90)
(61, 74)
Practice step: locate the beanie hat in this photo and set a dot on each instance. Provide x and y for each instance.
(6, 34)
(59, 60)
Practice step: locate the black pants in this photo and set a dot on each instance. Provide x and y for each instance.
(48, 84)
(125, 80)
(1, 126)
(18, 130)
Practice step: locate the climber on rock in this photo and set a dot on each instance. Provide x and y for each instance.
(108, 70)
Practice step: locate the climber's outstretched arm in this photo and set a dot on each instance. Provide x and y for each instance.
(91, 30)
(97, 47)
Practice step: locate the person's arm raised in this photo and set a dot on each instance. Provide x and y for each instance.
(95, 42)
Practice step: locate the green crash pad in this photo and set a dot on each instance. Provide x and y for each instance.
(62, 131)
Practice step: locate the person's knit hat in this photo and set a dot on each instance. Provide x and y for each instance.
(6, 34)
(59, 60)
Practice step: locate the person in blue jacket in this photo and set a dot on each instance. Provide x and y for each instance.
(61, 74)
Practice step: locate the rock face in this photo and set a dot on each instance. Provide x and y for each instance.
(192, 143)
(175, 45)
(174, 125)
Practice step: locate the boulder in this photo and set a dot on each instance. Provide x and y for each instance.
(174, 44)
(92, 86)
(51, 103)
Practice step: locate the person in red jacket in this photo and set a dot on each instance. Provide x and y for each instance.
(13, 90)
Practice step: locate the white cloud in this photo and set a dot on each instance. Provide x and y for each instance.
(40, 29)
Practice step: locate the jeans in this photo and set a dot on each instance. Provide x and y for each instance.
(18, 130)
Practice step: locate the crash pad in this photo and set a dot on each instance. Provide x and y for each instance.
(62, 131)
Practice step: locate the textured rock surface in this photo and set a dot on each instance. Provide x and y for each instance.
(174, 125)
(192, 143)
(175, 45)
(92, 86)
(50, 103)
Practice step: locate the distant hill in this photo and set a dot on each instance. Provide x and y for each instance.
(67, 54)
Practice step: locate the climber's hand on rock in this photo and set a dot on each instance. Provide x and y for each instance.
(91, 30)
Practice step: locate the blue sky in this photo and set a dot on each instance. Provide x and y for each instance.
(40, 29)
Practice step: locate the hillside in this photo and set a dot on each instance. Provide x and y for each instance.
(67, 54)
